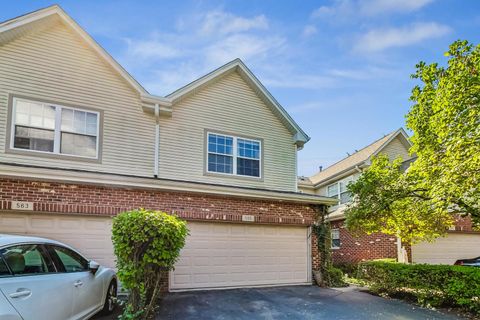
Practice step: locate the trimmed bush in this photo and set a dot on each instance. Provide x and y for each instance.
(147, 244)
(333, 277)
(431, 285)
(348, 268)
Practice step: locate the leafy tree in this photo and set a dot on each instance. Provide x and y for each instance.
(147, 244)
(420, 203)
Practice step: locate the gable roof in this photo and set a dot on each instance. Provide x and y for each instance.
(35, 21)
(237, 65)
(357, 159)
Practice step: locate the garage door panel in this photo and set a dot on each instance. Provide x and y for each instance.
(89, 235)
(233, 255)
(447, 250)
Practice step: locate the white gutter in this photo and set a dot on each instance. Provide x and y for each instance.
(157, 140)
(54, 175)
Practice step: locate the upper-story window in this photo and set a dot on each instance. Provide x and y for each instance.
(51, 128)
(339, 190)
(233, 155)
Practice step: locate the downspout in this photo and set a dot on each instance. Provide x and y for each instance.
(296, 168)
(157, 140)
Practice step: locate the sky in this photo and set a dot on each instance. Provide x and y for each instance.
(341, 68)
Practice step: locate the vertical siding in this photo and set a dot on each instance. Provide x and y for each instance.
(228, 105)
(395, 149)
(57, 65)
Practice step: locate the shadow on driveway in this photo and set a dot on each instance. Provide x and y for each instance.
(292, 302)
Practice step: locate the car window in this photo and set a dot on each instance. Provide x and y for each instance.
(27, 259)
(72, 261)
(3, 268)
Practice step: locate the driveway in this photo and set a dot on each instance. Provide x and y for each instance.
(293, 302)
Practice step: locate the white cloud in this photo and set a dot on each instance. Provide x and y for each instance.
(345, 10)
(151, 49)
(242, 46)
(381, 39)
(374, 7)
(198, 44)
(309, 31)
(298, 81)
(225, 23)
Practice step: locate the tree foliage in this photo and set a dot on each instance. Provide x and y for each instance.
(147, 244)
(420, 203)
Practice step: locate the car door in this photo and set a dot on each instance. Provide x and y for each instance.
(88, 289)
(35, 288)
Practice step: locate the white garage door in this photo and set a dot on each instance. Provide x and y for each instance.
(219, 255)
(90, 235)
(447, 250)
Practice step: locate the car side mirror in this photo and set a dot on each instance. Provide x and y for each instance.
(93, 266)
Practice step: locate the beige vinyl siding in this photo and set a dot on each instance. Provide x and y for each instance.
(396, 148)
(56, 65)
(228, 105)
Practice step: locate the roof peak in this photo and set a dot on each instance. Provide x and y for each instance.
(356, 158)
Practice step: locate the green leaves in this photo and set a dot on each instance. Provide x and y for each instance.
(444, 181)
(432, 285)
(147, 244)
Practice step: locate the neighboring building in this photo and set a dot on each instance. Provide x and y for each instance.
(81, 141)
(461, 241)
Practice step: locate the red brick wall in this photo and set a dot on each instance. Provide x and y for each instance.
(463, 224)
(367, 247)
(104, 200)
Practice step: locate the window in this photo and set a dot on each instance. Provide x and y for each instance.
(3, 268)
(50, 128)
(27, 259)
(335, 235)
(233, 155)
(339, 190)
(71, 261)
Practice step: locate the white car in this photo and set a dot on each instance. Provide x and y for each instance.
(42, 279)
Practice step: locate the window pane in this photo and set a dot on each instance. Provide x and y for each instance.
(220, 144)
(248, 167)
(332, 190)
(335, 235)
(79, 121)
(345, 197)
(3, 268)
(33, 139)
(34, 114)
(72, 261)
(220, 163)
(91, 124)
(79, 145)
(27, 259)
(67, 119)
(248, 148)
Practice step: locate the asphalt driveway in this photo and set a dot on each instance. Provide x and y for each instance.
(293, 302)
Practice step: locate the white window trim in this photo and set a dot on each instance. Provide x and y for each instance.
(234, 156)
(331, 242)
(57, 129)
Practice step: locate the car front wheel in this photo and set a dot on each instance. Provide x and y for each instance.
(110, 299)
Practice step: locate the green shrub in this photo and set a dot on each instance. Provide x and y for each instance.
(431, 285)
(147, 244)
(349, 268)
(333, 277)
